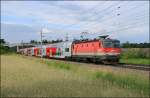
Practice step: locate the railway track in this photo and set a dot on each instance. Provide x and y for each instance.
(120, 65)
(133, 66)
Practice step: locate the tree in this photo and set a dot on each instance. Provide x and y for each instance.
(126, 44)
(2, 41)
(45, 41)
(135, 45)
(33, 42)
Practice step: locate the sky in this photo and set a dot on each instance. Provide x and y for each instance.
(122, 20)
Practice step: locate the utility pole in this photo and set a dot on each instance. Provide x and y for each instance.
(41, 44)
(66, 37)
(22, 44)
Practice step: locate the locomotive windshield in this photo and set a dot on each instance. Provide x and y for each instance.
(111, 44)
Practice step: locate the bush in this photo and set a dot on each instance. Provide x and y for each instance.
(135, 53)
(4, 49)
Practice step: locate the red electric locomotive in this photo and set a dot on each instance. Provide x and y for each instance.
(102, 49)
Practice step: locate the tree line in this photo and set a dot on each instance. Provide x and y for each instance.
(123, 45)
(135, 45)
(46, 41)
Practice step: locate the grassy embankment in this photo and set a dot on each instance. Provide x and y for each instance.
(136, 56)
(28, 76)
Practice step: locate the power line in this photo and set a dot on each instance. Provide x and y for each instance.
(83, 23)
(99, 12)
(137, 19)
(125, 27)
(92, 15)
(93, 8)
(110, 18)
(129, 27)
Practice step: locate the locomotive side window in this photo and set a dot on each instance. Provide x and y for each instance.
(111, 44)
(108, 44)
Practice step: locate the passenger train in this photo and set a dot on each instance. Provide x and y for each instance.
(102, 49)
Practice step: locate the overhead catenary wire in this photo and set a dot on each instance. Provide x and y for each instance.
(93, 8)
(104, 19)
(109, 7)
(108, 19)
(99, 12)
(137, 19)
(87, 11)
(127, 27)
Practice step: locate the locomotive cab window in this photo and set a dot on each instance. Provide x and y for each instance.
(66, 49)
(111, 44)
(107, 44)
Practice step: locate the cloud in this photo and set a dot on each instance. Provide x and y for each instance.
(74, 17)
(16, 33)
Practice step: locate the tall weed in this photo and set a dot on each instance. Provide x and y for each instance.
(129, 82)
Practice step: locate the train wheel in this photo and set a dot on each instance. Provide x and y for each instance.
(106, 62)
(87, 60)
(115, 63)
(94, 60)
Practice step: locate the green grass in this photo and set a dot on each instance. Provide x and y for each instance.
(61, 65)
(141, 61)
(135, 56)
(24, 76)
(128, 82)
(135, 53)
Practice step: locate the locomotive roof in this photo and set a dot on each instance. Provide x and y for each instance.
(93, 40)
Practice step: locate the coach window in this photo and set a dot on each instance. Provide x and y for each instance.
(82, 45)
(99, 44)
(66, 49)
(92, 44)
